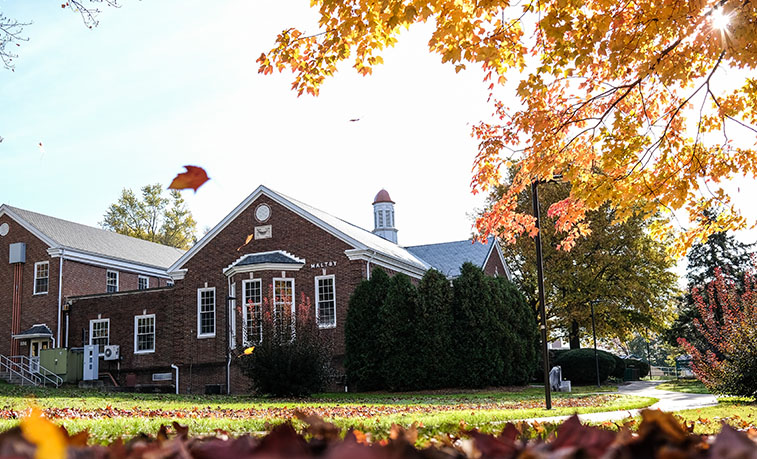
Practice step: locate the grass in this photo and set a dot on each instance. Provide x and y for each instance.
(689, 386)
(435, 412)
(738, 412)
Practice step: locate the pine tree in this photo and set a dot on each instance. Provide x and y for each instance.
(434, 327)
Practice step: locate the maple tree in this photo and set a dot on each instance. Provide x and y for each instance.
(151, 218)
(626, 101)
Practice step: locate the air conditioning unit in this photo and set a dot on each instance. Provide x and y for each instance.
(111, 352)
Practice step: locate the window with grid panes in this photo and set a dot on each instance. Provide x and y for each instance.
(111, 283)
(99, 333)
(283, 304)
(41, 277)
(144, 333)
(252, 299)
(144, 283)
(325, 305)
(206, 312)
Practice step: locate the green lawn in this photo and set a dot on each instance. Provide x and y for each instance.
(739, 412)
(111, 415)
(690, 386)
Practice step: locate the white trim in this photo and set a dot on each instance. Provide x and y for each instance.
(147, 282)
(91, 323)
(496, 247)
(104, 262)
(317, 300)
(177, 275)
(136, 333)
(107, 279)
(245, 312)
(385, 261)
(5, 210)
(199, 293)
(35, 277)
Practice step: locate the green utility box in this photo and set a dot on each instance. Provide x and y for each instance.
(66, 363)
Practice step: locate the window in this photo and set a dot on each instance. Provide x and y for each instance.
(144, 334)
(169, 283)
(325, 301)
(381, 219)
(283, 303)
(144, 283)
(41, 277)
(206, 312)
(252, 319)
(99, 333)
(111, 281)
(388, 219)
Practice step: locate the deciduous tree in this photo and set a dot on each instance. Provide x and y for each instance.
(618, 267)
(154, 217)
(629, 102)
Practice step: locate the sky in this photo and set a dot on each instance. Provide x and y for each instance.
(160, 85)
(163, 84)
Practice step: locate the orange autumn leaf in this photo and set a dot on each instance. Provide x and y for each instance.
(193, 178)
(246, 241)
(49, 439)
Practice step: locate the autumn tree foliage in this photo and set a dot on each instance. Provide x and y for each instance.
(293, 358)
(153, 217)
(729, 325)
(619, 268)
(644, 106)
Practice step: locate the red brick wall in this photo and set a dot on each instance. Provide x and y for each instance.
(41, 308)
(85, 279)
(494, 265)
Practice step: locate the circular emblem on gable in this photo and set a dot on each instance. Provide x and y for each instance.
(4, 229)
(262, 212)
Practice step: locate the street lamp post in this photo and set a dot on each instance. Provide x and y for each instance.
(542, 307)
(594, 332)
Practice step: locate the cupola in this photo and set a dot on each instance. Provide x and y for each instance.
(383, 216)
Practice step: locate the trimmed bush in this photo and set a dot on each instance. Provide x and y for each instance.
(362, 363)
(620, 367)
(434, 329)
(293, 358)
(520, 336)
(579, 366)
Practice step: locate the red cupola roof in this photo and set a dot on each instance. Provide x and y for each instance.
(382, 196)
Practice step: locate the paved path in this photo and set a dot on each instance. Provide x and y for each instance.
(668, 401)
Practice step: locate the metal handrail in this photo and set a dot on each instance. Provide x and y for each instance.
(55, 380)
(9, 364)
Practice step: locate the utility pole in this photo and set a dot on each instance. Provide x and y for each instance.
(542, 307)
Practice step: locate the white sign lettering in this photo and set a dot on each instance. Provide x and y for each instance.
(323, 264)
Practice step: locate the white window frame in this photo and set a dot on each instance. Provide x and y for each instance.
(318, 300)
(147, 282)
(294, 302)
(200, 291)
(246, 341)
(136, 333)
(91, 334)
(107, 279)
(36, 265)
(169, 283)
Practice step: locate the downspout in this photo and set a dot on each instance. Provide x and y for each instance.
(60, 295)
(176, 367)
(229, 311)
(368, 266)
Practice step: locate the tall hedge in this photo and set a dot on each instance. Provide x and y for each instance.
(399, 341)
(524, 344)
(361, 363)
(580, 367)
(435, 328)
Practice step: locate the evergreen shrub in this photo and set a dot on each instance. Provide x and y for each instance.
(579, 366)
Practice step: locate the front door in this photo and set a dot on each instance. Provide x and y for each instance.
(35, 346)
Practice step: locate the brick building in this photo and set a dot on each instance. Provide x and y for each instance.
(44, 260)
(272, 246)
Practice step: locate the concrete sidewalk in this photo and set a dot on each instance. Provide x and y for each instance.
(668, 401)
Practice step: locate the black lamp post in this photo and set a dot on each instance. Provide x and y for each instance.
(594, 332)
(542, 307)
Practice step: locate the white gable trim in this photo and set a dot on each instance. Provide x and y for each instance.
(105, 262)
(261, 190)
(4, 210)
(234, 269)
(387, 262)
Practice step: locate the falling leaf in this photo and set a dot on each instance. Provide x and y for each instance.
(48, 437)
(246, 241)
(249, 350)
(193, 178)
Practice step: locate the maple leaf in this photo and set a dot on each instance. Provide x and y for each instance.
(48, 437)
(193, 178)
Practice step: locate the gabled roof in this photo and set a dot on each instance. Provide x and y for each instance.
(37, 331)
(66, 235)
(364, 242)
(448, 257)
(277, 256)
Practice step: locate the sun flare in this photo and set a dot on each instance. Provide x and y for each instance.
(720, 20)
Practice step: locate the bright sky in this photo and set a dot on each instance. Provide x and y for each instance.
(161, 84)
(158, 85)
